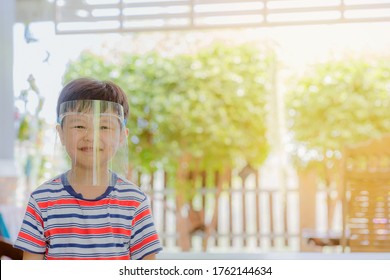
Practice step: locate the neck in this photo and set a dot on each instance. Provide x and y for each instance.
(89, 177)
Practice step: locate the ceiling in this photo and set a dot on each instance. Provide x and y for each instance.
(90, 16)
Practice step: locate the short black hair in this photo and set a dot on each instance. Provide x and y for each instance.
(92, 89)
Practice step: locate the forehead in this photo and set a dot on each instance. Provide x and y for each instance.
(85, 106)
(87, 117)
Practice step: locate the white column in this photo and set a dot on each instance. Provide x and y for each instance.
(8, 171)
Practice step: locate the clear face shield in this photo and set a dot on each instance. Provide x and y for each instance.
(94, 135)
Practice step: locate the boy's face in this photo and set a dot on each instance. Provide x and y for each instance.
(91, 140)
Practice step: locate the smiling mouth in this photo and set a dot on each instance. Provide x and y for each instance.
(89, 149)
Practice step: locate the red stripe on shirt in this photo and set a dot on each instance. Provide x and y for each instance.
(127, 257)
(144, 242)
(141, 215)
(86, 231)
(85, 203)
(35, 214)
(32, 239)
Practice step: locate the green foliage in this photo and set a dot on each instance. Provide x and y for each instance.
(339, 103)
(24, 129)
(30, 134)
(210, 105)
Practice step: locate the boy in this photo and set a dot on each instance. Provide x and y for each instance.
(89, 212)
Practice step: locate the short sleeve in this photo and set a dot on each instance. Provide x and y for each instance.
(144, 239)
(31, 235)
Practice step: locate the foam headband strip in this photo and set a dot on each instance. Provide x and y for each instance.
(59, 120)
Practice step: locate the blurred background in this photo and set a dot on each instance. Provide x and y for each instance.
(240, 113)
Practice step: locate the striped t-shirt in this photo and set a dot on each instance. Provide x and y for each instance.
(61, 224)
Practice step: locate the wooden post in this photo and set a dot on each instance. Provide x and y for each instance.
(271, 218)
(243, 198)
(182, 223)
(212, 227)
(165, 206)
(184, 240)
(230, 190)
(257, 184)
(307, 205)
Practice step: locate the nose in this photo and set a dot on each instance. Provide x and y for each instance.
(91, 133)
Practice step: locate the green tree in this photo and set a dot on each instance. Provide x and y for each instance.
(335, 104)
(210, 105)
(338, 103)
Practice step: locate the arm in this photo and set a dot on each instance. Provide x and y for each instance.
(149, 257)
(31, 256)
(144, 242)
(31, 240)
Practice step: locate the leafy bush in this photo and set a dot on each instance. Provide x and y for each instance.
(338, 103)
(210, 105)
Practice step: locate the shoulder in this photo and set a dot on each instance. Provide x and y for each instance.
(128, 188)
(51, 186)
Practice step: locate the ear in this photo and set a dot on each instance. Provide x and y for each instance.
(60, 132)
(124, 136)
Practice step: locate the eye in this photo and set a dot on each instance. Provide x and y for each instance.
(104, 127)
(79, 127)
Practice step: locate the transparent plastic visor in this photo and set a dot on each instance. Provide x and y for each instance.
(94, 136)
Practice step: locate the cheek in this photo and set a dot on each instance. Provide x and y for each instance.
(70, 141)
(114, 143)
(112, 139)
